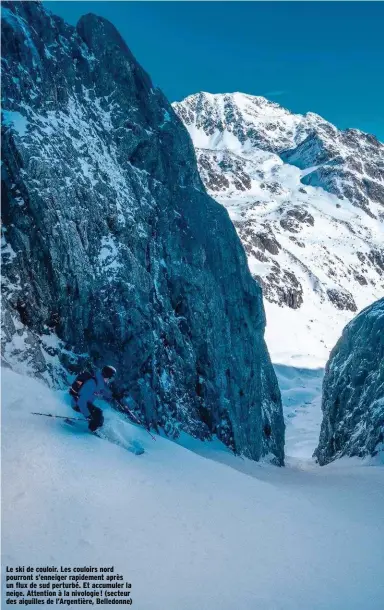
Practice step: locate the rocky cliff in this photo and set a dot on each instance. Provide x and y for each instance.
(353, 390)
(112, 249)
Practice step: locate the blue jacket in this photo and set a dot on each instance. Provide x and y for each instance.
(90, 390)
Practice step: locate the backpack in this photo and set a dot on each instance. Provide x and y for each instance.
(79, 381)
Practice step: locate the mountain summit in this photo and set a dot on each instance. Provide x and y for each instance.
(307, 200)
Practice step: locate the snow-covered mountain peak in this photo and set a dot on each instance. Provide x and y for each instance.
(243, 103)
(307, 200)
(237, 121)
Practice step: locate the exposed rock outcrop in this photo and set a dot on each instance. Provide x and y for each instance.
(113, 249)
(353, 390)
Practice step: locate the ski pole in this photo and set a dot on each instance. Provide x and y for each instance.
(57, 416)
(135, 418)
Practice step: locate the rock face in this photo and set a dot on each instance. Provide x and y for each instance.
(113, 251)
(353, 390)
(311, 190)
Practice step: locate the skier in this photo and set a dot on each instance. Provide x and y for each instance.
(86, 387)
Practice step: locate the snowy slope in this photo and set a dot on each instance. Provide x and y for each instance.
(307, 201)
(189, 531)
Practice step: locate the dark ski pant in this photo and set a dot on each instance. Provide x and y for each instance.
(96, 419)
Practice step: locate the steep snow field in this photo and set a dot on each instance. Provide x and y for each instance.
(209, 531)
(301, 396)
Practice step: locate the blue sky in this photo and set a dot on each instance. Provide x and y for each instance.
(324, 57)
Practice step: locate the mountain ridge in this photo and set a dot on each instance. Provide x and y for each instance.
(307, 201)
(309, 113)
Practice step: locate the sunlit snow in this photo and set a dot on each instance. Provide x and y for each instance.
(189, 524)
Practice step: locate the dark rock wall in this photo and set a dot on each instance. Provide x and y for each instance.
(112, 243)
(353, 390)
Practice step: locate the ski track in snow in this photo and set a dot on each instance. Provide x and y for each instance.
(210, 531)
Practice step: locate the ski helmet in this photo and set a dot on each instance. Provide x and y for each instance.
(108, 371)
